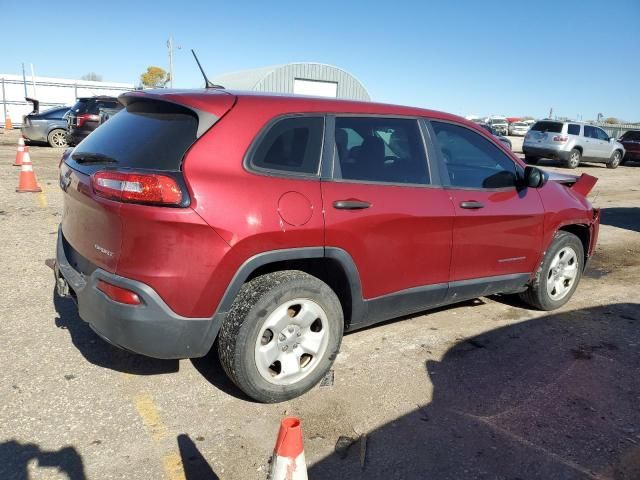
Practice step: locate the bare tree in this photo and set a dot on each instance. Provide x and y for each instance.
(92, 76)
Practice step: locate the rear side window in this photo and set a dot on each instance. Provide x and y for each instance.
(291, 145)
(376, 149)
(145, 135)
(573, 129)
(545, 126)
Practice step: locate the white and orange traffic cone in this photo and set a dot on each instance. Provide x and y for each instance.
(20, 152)
(7, 122)
(27, 181)
(288, 457)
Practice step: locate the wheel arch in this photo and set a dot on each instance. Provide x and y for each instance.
(333, 266)
(583, 233)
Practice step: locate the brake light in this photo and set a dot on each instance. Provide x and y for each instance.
(560, 138)
(118, 294)
(149, 188)
(80, 119)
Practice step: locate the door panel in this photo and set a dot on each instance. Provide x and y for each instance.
(402, 240)
(497, 228)
(503, 236)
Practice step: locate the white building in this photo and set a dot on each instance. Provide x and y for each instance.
(50, 92)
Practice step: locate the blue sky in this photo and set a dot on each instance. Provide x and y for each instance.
(464, 57)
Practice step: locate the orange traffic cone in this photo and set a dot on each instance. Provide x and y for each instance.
(20, 152)
(27, 181)
(7, 122)
(288, 461)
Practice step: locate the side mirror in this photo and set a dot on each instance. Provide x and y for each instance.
(612, 139)
(534, 177)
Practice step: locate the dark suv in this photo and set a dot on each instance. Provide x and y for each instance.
(274, 224)
(84, 116)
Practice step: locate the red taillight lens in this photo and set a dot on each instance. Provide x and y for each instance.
(137, 187)
(560, 138)
(80, 119)
(118, 294)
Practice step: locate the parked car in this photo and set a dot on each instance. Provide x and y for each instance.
(518, 129)
(571, 142)
(49, 126)
(499, 125)
(631, 142)
(85, 116)
(276, 223)
(489, 128)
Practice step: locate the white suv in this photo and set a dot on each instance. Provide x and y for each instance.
(571, 142)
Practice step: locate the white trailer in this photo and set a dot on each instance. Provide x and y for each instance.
(50, 92)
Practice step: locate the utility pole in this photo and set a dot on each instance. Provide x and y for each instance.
(24, 82)
(33, 82)
(170, 48)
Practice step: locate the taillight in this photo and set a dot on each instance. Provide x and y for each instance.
(560, 138)
(86, 117)
(149, 188)
(118, 294)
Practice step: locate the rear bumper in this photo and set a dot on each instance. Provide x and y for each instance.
(33, 133)
(543, 152)
(150, 329)
(75, 136)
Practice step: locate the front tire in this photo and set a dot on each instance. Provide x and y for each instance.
(558, 275)
(281, 336)
(57, 138)
(615, 160)
(574, 158)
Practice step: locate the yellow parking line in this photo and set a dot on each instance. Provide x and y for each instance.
(41, 198)
(150, 417)
(173, 467)
(171, 462)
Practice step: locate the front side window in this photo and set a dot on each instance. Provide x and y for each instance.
(471, 160)
(573, 129)
(590, 132)
(291, 145)
(601, 134)
(377, 149)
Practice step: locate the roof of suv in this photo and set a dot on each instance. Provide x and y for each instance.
(201, 98)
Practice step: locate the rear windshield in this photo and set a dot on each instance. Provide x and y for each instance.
(553, 127)
(92, 106)
(632, 135)
(145, 135)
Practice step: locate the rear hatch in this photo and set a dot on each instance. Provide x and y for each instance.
(149, 138)
(543, 132)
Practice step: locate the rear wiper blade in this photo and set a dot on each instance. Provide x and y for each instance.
(87, 157)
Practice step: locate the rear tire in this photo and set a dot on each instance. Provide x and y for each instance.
(531, 160)
(57, 138)
(281, 336)
(615, 160)
(574, 158)
(559, 274)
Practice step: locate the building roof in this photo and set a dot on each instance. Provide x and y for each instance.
(280, 78)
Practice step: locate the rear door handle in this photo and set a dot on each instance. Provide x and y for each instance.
(472, 205)
(350, 204)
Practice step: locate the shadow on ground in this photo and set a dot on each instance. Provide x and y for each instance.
(551, 398)
(98, 351)
(194, 464)
(622, 217)
(15, 457)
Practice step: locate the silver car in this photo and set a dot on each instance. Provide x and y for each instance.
(571, 143)
(49, 126)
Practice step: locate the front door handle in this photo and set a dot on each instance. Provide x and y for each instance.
(472, 205)
(350, 204)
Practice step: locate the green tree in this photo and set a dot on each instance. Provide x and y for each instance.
(154, 77)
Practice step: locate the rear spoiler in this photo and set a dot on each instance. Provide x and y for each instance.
(582, 184)
(36, 105)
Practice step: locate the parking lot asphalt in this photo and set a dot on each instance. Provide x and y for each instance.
(483, 389)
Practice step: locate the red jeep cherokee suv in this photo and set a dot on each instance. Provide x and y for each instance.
(274, 224)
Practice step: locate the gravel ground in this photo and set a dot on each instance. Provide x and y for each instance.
(484, 389)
